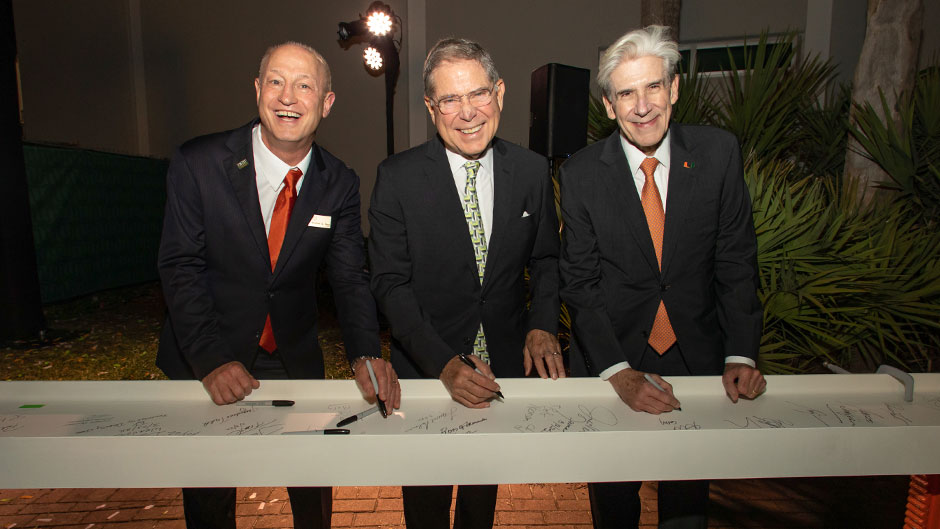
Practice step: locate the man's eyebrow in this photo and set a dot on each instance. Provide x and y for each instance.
(445, 96)
(302, 75)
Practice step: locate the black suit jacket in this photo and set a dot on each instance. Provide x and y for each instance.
(424, 275)
(709, 280)
(215, 267)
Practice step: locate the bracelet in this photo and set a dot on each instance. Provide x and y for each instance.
(352, 365)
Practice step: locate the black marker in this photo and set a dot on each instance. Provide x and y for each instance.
(277, 403)
(353, 418)
(465, 359)
(328, 431)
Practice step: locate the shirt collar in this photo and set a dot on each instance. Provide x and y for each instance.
(635, 156)
(268, 165)
(457, 161)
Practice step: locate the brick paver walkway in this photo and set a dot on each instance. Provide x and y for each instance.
(875, 502)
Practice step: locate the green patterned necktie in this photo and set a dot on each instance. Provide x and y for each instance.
(471, 212)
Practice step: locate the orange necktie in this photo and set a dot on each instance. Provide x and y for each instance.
(661, 335)
(282, 208)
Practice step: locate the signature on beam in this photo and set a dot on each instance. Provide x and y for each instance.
(10, 423)
(464, 427)
(541, 418)
(226, 418)
(425, 421)
(754, 421)
(91, 419)
(254, 428)
(895, 412)
(848, 415)
(675, 425)
(338, 408)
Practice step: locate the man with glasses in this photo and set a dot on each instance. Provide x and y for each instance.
(455, 224)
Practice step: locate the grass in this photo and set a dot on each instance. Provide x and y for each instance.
(113, 335)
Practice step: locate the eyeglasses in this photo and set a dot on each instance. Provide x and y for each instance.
(477, 98)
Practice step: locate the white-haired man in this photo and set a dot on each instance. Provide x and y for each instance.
(659, 260)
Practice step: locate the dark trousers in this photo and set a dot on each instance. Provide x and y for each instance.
(429, 507)
(682, 504)
(214, 508)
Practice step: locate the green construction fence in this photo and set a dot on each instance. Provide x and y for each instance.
(96, 218)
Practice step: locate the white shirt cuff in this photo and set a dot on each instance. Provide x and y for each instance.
(740, 360)
(614, 369)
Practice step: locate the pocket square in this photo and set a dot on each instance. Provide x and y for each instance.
(320, 221)
(525, 214)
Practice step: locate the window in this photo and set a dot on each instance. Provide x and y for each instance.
(712, 57)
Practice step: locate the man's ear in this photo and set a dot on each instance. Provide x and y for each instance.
(328, 103)
(610, 107)
(430, 107)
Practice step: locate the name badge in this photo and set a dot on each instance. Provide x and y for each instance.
(320, 221)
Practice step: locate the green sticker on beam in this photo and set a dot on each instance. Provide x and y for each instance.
(32, 405)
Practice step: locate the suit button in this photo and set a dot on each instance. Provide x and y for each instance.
(270, 295)
(482, 301)
(664, 287)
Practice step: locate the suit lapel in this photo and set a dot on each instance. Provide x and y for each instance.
(448, 203)
(503, 188)
(681, 191)
(240, 170)
(311, 194)
(620, 180)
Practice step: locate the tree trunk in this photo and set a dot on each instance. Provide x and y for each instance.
(20, 304)
(888, 61)
(662, 12)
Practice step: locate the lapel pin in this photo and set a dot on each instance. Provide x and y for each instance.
(244, 163)
(688, 165)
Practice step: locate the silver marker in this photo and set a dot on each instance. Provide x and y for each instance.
(652, 381)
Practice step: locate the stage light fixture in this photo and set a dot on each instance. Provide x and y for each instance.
(373, 58)
(379, 23)
(348, 30)
(377, 30)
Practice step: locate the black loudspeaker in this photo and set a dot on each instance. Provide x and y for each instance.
(558, 110)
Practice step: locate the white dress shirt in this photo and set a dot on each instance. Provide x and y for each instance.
(635, 157)
(269, 175)
(484, 185)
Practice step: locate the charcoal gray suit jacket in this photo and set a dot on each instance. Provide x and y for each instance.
(424, 273)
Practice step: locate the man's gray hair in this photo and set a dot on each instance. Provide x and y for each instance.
(327, 76)
(653, 41)
(453, 49)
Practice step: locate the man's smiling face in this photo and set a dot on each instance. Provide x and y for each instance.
(642, 101)
(468, 131)
(292, 99)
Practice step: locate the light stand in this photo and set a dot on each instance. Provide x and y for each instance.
(377, 29)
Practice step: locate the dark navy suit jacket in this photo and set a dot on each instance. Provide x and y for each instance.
(216, 272)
